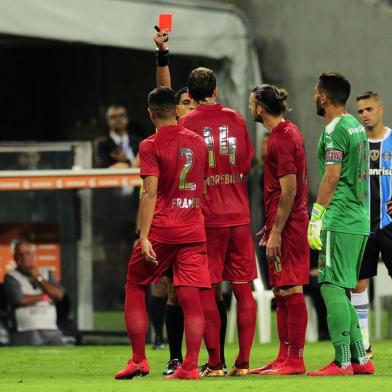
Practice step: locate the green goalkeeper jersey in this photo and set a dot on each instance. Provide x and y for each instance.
(344, 142)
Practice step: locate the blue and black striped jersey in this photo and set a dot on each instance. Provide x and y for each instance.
(380, 171)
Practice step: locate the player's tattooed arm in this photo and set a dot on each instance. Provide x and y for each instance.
(148, 201)
(163, 71)
(288, 185)
(328, 184)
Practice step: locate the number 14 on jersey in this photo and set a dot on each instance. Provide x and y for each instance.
(227, 145)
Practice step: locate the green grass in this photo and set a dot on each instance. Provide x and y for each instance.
(88, 369)
(109, 321)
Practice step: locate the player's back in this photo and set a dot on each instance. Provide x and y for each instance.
(179, 158)
(229, 154)
(348, 211)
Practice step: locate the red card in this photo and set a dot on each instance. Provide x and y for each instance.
(165, 22)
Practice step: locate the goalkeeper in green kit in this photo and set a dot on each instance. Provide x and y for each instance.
(339, 225)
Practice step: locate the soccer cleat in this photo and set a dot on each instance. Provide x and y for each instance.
(332, 370)
(224, 368)
(238, 372)
(367, 368)
(171, 367)
(133, 369)
(268, 366)
(182, 374)
(369, 352)
(207, 371)
(285, 368)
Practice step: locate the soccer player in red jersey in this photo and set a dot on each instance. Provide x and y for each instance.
(173, 165)
(230, 247)
(285, 232)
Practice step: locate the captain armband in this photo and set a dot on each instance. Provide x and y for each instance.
(333, 157)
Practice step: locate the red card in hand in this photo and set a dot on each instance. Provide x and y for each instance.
(165, 22)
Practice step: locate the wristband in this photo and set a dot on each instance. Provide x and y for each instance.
(162, 57)
(45, 297)
(318, 211)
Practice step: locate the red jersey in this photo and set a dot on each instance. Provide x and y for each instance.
(285, 155)
(230, 151)
(179, 158)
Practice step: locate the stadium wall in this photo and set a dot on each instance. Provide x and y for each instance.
(297, 40)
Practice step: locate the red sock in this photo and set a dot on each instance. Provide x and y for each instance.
(297, 319)
(246, 321)
(189, 299)
(281, 318)
(212, 326)
(135, 315)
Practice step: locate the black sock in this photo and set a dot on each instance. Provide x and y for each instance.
(174, 319)
(157, 312)
(223, 316)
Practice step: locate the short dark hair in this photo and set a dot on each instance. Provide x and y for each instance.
(116, 105)
(19, 243)
(272, 98)
(335, 86)
(201, 83)
(367, 95)
(162, 102)
(179, 92)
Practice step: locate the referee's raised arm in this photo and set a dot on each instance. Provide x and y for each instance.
(162, 59)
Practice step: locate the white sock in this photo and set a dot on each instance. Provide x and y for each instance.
(360, 302)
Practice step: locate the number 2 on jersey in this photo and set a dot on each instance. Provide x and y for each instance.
(227, 145)
(188, 154)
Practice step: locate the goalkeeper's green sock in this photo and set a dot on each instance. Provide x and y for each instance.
(358, 351)
(339, 322)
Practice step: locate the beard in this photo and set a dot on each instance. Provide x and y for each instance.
(258, 119)
(320, 110)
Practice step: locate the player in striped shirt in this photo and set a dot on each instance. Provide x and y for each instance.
(371, 112)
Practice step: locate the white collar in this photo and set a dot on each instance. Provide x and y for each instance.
(119, 139)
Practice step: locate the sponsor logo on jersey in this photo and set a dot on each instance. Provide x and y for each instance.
(386, 156)
(380, 172)
(374, 154)
(355, 130)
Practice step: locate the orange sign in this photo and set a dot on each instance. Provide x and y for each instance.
(68, 182)
(46, 240)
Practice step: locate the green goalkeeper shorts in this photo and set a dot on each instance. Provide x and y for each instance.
(341, 257)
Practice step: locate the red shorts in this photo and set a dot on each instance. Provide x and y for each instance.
(231, 254)
(295, 257)
(189, 262)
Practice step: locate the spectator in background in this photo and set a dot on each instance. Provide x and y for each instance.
(115, 210)
(32, 299)
(119, 149)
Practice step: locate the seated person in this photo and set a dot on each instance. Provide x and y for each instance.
(32, 299)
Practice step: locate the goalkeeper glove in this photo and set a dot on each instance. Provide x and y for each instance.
(315, 226)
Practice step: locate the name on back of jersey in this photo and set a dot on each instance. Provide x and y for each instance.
(224, 179)
(185, 202)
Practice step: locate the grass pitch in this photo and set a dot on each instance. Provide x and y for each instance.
(88, 369)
